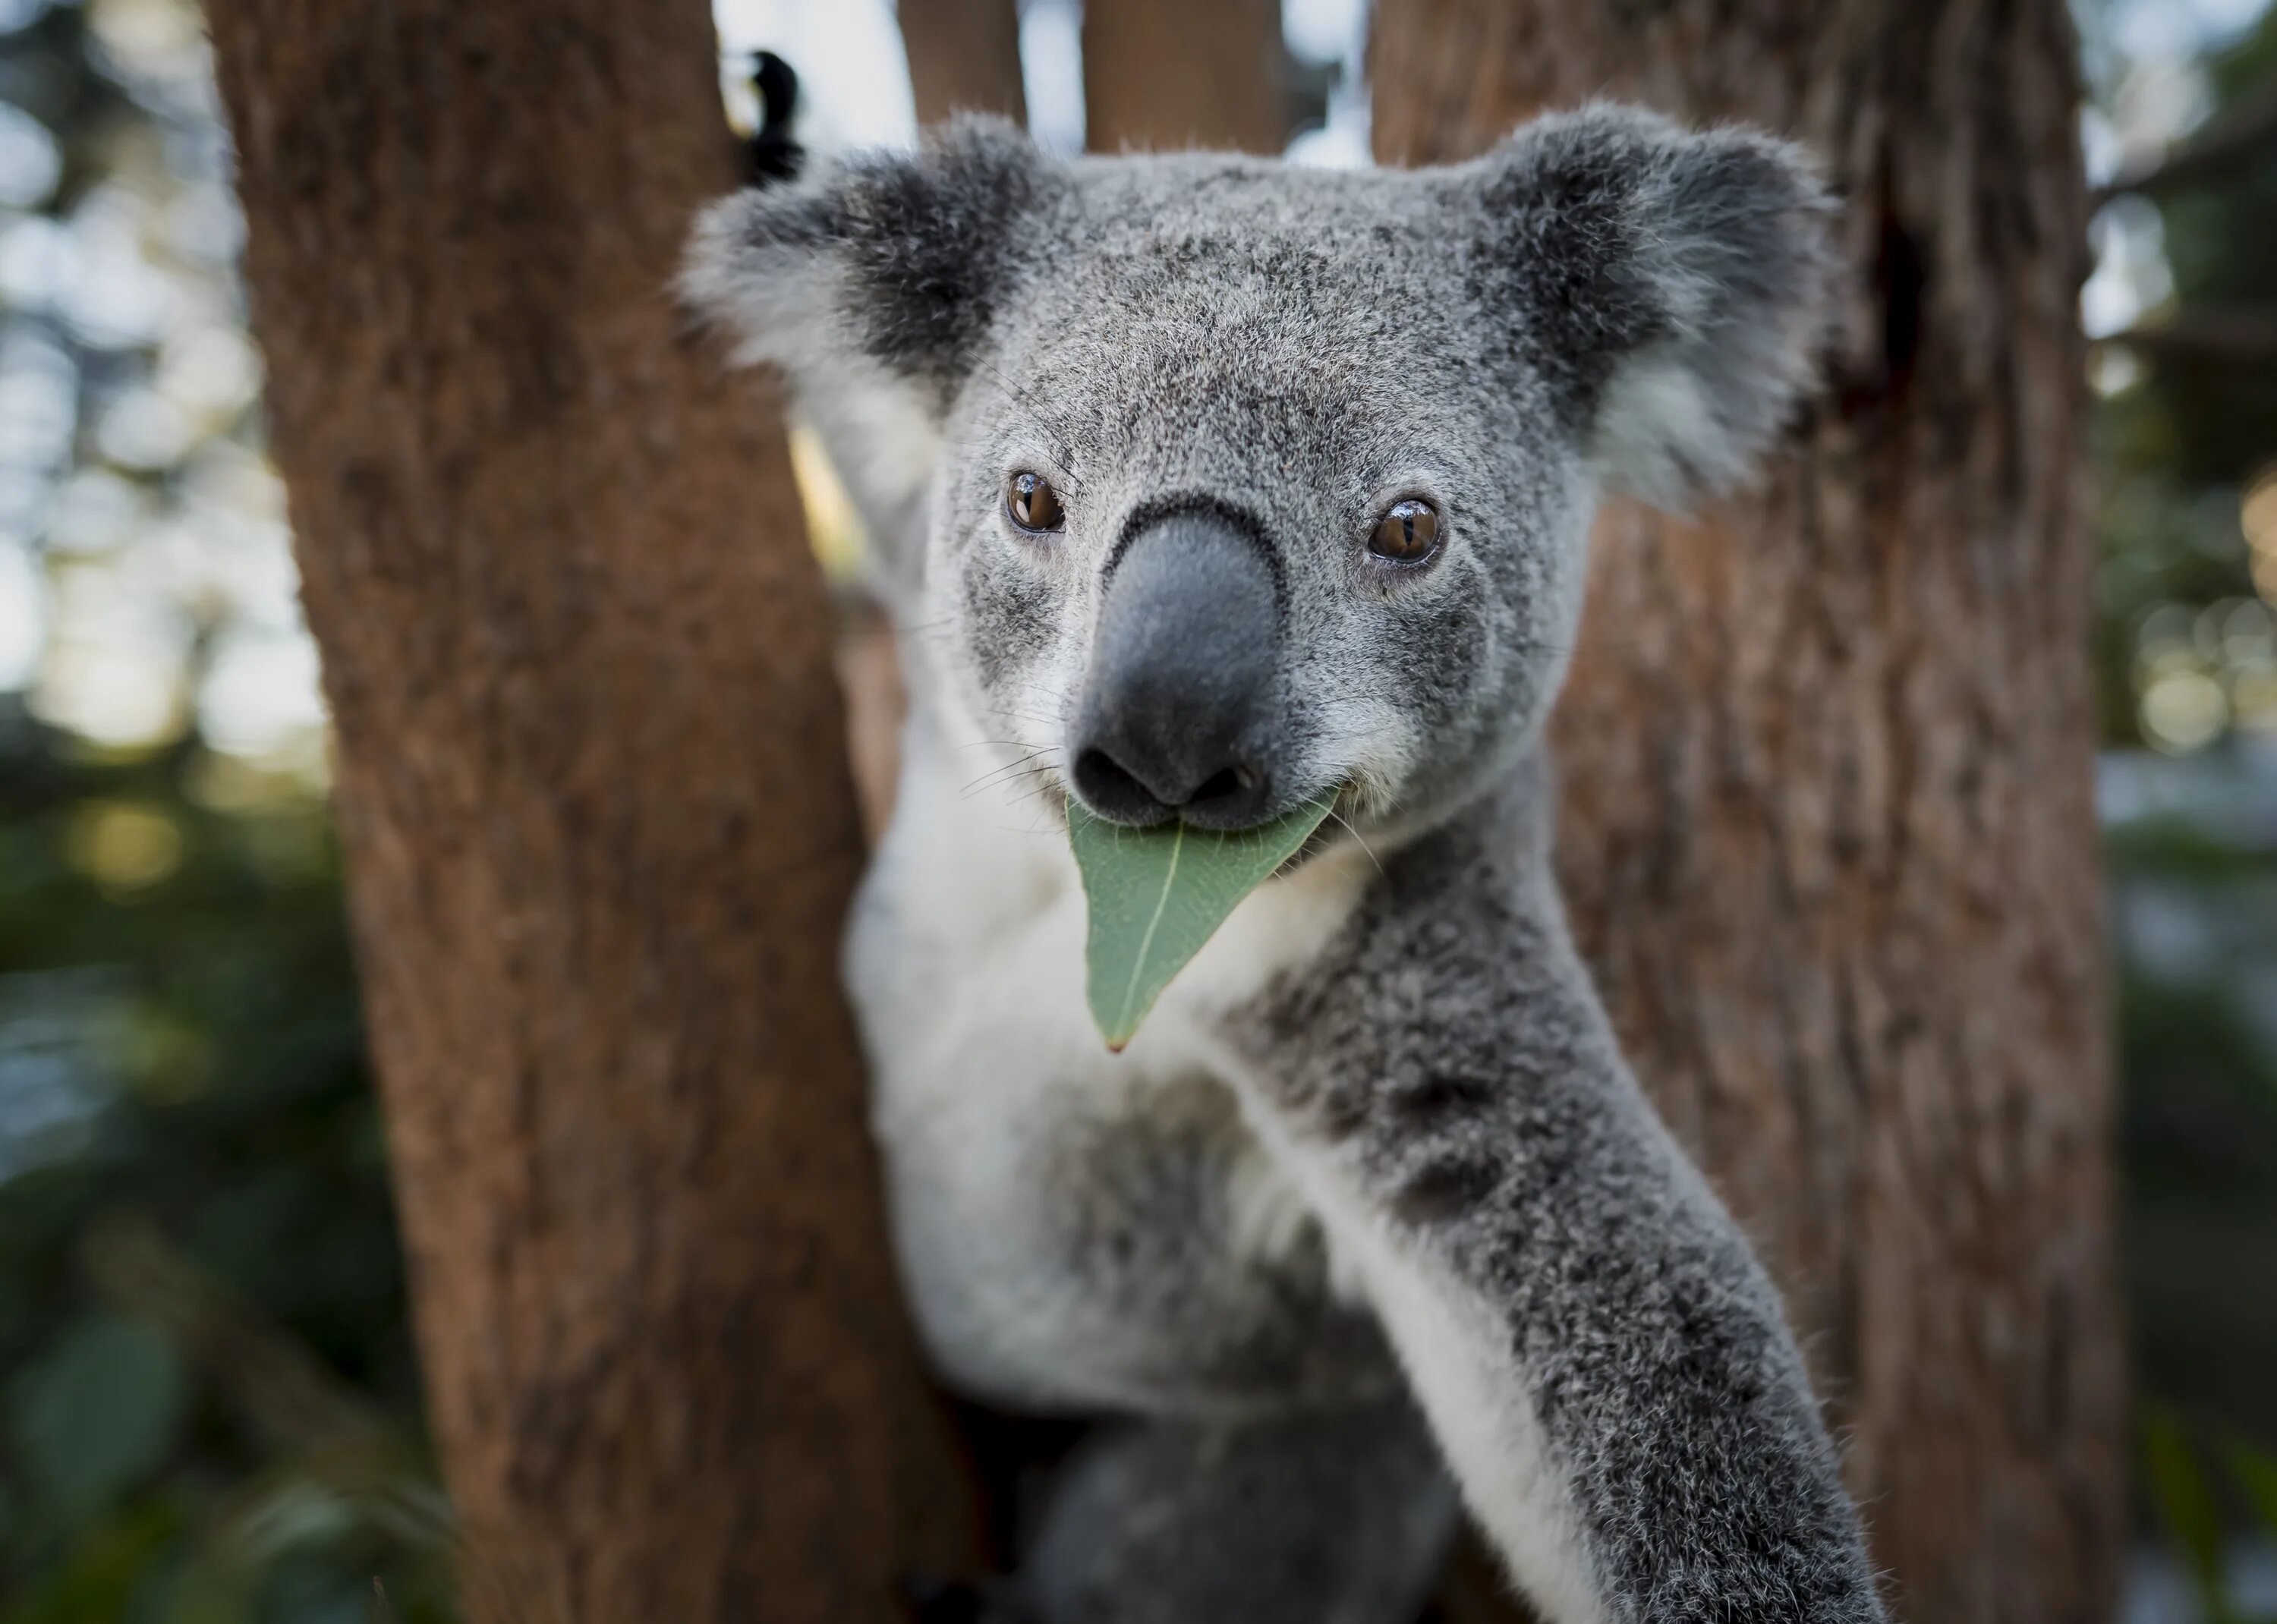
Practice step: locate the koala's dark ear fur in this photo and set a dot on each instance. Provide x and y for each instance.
(891, 262)
(871, 282)
(1671, 287)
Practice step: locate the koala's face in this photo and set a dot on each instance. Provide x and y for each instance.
(1243, 485)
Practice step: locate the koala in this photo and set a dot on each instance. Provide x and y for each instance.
(1204, 486)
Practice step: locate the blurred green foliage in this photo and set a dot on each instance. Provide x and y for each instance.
(193, 1192)
(2223, 409)
(2201, 1487)
(2196, 971)
(2185, 640)
(2186, 656)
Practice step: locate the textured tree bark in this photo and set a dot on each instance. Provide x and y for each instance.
(964, 56)
(594, 791)
(1828, 833)
(1163, 75)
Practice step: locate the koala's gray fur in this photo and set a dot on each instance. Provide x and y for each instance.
(1376, 1140)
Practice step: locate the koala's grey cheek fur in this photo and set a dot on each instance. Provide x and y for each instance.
(1441, 652)
(1010, 614)
(1181, 709)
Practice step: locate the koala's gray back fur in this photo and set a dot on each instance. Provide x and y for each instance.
(1377, 1135)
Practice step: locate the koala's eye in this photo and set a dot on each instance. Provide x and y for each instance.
(1408, 532)
(1033, 503)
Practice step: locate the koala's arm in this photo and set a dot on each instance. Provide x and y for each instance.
(1606, 1366)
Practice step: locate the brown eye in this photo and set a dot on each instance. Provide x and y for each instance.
(1032, 502)
(1408, 532)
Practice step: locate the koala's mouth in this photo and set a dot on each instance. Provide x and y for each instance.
(1325, 834)
(1344, 800)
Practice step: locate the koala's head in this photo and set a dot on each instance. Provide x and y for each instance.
(1238, 483)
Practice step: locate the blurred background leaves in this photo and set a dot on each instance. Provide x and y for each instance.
(208, 1405)
(2192, 1480)
(180, 1058)
(194, 1427)
(2184, 305)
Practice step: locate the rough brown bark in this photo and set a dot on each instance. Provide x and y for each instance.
(1163, 75)
(964, 56)
(594, 793)
(1828, 833)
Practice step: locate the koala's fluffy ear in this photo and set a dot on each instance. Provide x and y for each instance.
(899, 257)
(1672, 287)
(871, 280)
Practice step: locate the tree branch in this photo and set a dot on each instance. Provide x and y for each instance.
(2229, 140)
(2248, 338)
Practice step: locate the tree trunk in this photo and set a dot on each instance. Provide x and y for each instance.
(964, 56)
(1163, 75)
(594, 793)
(1828, 829)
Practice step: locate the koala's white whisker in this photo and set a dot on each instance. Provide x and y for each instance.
(1009, 713)
(1022, 798)
(1026, 764)
(1039, 827)
(1358, 838)
(1001, 776)
(1045, 784)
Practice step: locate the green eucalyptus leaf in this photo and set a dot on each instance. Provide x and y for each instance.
(1156, 895)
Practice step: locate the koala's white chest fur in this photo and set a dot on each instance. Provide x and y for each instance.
(1076, 1228)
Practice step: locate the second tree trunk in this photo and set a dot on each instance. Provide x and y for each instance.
(1828, 832)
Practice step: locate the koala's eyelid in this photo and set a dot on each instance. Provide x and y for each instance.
(1414, 486)
(1048, 465)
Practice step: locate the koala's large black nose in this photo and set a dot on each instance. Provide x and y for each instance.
(1180, 708)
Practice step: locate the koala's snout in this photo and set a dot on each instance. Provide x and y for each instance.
(1179, 715)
